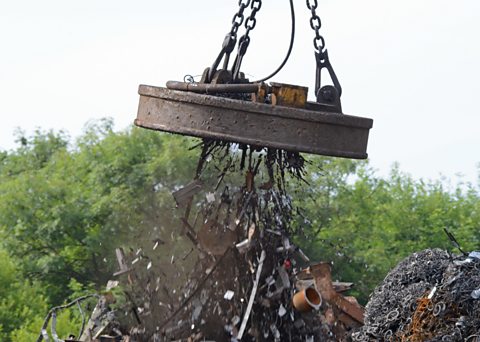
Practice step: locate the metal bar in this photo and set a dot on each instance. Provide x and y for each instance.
(207, 88)
(82, 327)
(54, 327)
(246, 316)
(43, 333)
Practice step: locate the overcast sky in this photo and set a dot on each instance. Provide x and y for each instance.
(411, 65)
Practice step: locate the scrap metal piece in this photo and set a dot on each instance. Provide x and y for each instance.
(303, 255)
(52, 315)
(183, 196)
(474, 254)
(228, 295)
(189, 231)
(338, 286)
(282, 311)
(246, 316)
(284, 277)
(323, 281)
(122, 264)
(214, 238)
(243, 246)
(258, 124)
(54, 327)
(307, 299)
(475, 294)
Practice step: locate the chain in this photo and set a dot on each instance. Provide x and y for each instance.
(229, 41)
(326, 94)
(244, 41)
(251, 21)
(316, 24)
(239, 17)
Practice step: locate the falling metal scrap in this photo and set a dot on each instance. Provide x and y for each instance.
(323, 281)
(122, 264)
(246, 316)
(219, 300)
(184, 195)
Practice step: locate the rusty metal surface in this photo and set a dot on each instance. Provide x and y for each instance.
(323, 280)
(289, 95)
(206, 88)
(253, 123)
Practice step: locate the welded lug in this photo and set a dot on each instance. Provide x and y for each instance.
(204, 78)
(323, 107)
(328, 95)
(222, 77)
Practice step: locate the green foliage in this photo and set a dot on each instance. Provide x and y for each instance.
(366, 224)
(23, 306)
(68, 322)
(65, 206)
(20, 300)
(64, 209)
(61, 207)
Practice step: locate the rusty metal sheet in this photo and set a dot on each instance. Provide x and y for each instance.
(323, 280)
(257, 124)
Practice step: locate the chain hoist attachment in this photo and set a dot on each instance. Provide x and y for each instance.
(227, 47)
(226, 106)
(244, 41)
(242, 49)
(329, 94)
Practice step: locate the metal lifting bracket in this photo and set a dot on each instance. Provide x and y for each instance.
(328, 95)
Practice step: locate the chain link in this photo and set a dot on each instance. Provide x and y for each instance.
(250, 24)
(251, 20)
(328, 94)
(244, 40)
(229, 41)
(316, 25)
(239, 17)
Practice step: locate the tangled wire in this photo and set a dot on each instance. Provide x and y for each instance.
(429, 296)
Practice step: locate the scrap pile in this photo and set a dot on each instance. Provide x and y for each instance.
(247, 280)
(430, 296)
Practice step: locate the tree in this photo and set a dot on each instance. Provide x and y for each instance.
(366, 224)
(61, 206)
(20, 300)
(65, 205)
